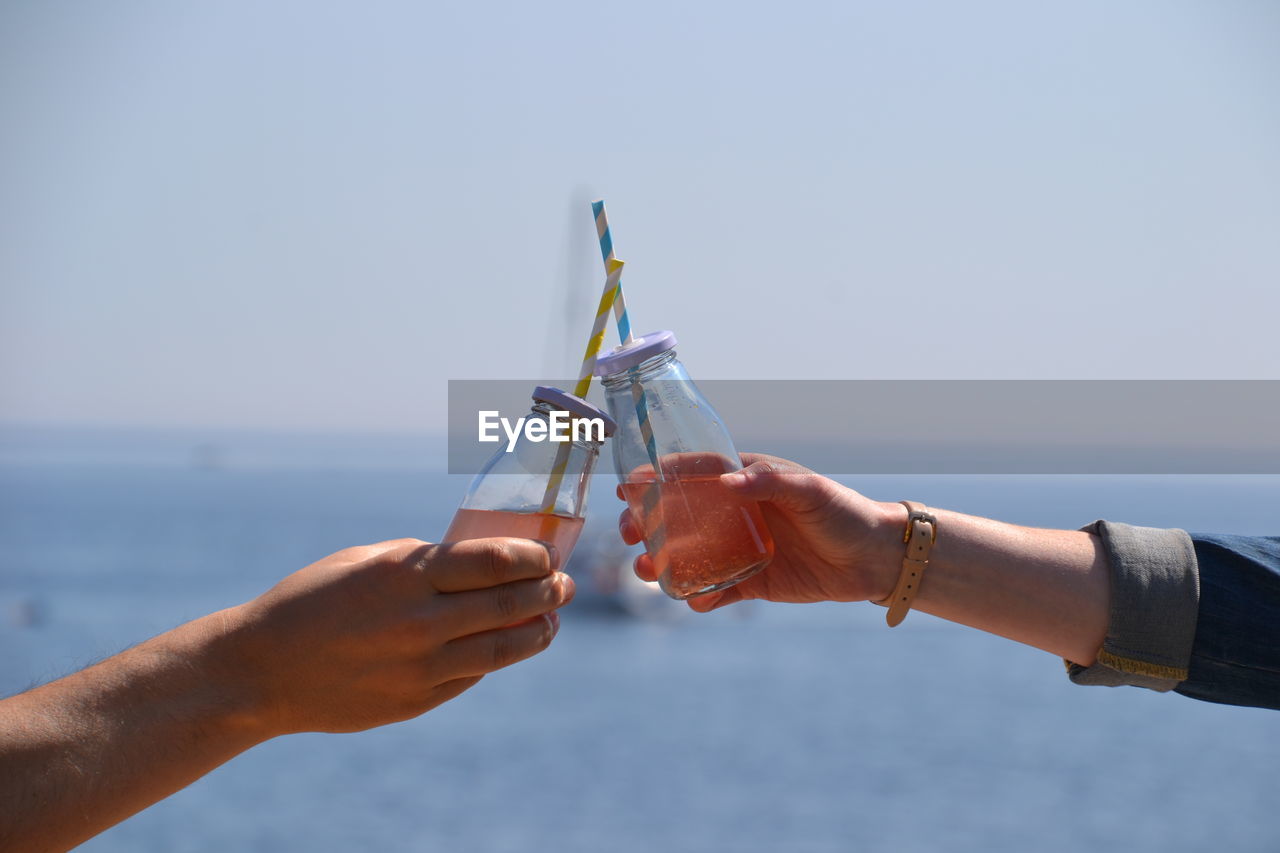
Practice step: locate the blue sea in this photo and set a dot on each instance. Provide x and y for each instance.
(757, 728)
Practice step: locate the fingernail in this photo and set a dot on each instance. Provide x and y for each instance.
(734, 479)
(554, 618)
(567, 587)
(552, 554)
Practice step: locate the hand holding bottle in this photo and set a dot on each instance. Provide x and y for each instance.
(384, 632)
(830, 543)
(669, 452)
(1044, 588)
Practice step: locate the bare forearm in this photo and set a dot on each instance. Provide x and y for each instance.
(1045, 588)
(85, 752)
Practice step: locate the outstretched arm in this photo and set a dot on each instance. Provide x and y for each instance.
(1124, 605)
(364, 637)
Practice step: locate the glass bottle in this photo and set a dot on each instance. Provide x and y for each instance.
(538, 489)
(669, 452)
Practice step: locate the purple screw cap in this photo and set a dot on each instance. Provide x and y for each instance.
(642, 348)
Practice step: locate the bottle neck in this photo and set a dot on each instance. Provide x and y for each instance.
(648, 369)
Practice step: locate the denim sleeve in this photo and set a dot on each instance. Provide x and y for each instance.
(1199, 615)
(1236, 657)
(1155, 598)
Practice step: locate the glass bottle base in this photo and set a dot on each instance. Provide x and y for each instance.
(682, 595)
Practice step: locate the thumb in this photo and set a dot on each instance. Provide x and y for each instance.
(794, 489)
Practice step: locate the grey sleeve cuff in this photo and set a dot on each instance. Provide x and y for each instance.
(1155, 598)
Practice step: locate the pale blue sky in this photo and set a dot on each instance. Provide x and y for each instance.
(301, 215)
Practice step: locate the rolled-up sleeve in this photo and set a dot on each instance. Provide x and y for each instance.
(1155, 601)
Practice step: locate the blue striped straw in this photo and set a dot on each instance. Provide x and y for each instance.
(646, 428)
(624, 329)
(606, 252)
(651, 502)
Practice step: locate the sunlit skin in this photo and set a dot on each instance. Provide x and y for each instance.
(1045, 588)
(365, 637)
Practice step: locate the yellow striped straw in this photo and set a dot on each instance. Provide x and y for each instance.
(594, 342)
(611, 285)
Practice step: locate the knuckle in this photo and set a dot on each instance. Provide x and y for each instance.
(502, 561)
(418, 559)
(503, 650)
(505, 601)
(398, 547)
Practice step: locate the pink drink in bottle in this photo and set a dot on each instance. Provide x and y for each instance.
(669, 452)
(509, 495)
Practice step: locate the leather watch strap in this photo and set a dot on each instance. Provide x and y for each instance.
(920, 534)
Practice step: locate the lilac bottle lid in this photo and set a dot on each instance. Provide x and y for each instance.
(622, 358)
(574, 406)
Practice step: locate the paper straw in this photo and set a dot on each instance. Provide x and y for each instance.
(652, 496)
(594, 343)
(606, 251)
(612, 285)
(624, 332)
(646, 428)
(612, 295)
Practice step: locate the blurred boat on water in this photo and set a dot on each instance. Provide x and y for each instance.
(607, 586)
